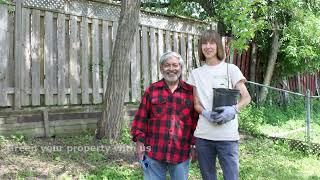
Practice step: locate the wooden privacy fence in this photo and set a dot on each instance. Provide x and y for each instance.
(58, 52)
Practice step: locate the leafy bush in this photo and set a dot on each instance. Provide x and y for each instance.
(251, 118)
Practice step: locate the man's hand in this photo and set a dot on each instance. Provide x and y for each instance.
(140, 149)
(193, 153)
(209, 115)
(226, 114)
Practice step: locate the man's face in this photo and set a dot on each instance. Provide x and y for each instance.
(171, 69)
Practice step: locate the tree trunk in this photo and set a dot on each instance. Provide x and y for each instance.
(252, 77)
(271, 61)
(109, 126)
(253, 63)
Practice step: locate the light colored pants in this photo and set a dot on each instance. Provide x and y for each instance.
(156, 170)
(227, 153)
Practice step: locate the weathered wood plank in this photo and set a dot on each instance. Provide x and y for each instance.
(84, 61)
(160, 50)
(54, 84)
(48, 57)
(145, 58)
(195, 50)
(21, 126)
(26, 66)
(74, 79)
(153, 55)
(4, 54)
(175, 42)
(114, 32)
(168, 41)
(183, 55)
(135, 69)
(34, 132)
(95, 62)
(18, 54)
(46, 123)
(106, 41)
(189, 54)
(72, 130)
(61, 58)
(35, 56)
(73, 122)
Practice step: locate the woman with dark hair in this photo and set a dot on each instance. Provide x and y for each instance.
(217, 129)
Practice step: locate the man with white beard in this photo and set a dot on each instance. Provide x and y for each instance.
(164, 124)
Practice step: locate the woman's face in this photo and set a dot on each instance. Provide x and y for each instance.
(209, 49)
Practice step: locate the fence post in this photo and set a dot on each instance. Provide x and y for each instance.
(308, 116)
(18, 53)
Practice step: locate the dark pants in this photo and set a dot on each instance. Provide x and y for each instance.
(227, 153)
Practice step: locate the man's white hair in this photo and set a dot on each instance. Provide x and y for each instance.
(169, 54)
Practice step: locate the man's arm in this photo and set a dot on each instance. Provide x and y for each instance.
(140, 124)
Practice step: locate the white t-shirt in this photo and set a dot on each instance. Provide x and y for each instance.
(205, 78)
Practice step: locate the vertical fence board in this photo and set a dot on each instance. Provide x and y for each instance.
(84, 62)
(135, 69)
(183, 55)
(25, 68)
(61, 59)
(35, 56)
(114, 32)
(73, 66)
(18, 54)
(153, 54)
(105, 53)
(160, 49)
(145, 57)
(95, 61)
(48, 58)
(4, 54)
(195, 50)
(189, 54)
(168, 41)
(175, 42)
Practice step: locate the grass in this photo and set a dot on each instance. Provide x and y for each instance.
(72, 158)
(279, 121)
(82, 157)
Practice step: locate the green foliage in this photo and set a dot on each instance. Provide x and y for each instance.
(17, 137)
(253, 117)
(125, 135)
(2, 139)
(250, 119)
(115, 172)
(241, 18)
(5, 2)
(301, 48)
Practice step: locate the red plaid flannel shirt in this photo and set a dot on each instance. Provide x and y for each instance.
(165, 122)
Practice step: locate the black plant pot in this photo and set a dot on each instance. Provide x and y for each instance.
(224, 97)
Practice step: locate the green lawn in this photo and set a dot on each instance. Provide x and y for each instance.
(79, 158)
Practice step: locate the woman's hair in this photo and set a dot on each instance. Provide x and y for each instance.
(169, 54)
(211, 36)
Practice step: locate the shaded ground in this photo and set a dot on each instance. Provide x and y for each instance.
(81, 157)
(58, 157)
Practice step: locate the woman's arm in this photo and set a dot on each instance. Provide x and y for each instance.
(245, 97)
(197, 105)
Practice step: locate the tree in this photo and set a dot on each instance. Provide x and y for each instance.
(284, 32)
(110, 123)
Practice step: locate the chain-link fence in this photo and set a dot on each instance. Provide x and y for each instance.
(283, 114)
